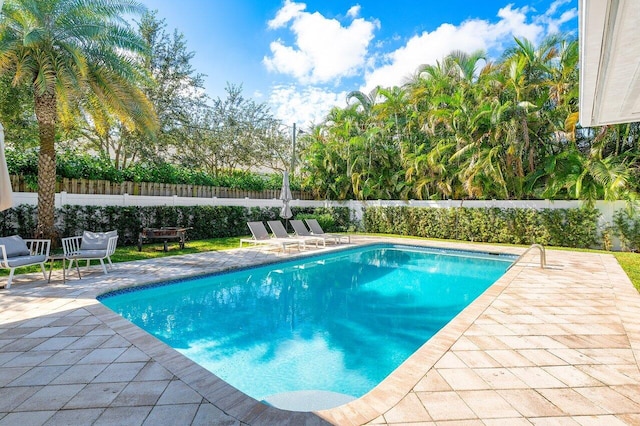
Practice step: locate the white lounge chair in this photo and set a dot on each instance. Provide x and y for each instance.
(301, 231)
(260, 235)
(16, 252)
(90, 246)
(316, 229)
(279, 231)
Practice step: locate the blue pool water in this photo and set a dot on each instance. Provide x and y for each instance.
(339, 322)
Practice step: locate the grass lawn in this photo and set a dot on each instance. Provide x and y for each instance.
(630, 262)
(149, 251)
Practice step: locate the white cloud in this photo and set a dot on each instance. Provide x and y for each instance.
(324, 50)
(303, 106)
(471, 35)
(513, 23)
(553, 7)
(552, 23)
(288, 12)
(354, 11)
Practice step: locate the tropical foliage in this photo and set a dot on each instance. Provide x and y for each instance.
(171, 85)
(626, 226)
(469, 128)
(76, 58)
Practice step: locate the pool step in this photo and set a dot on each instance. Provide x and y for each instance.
(307, 400)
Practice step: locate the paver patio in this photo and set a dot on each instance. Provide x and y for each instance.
(541, 346)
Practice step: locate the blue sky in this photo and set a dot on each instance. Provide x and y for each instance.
(302, 58)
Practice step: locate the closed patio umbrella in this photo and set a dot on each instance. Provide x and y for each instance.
(286, 197)
(6, 201)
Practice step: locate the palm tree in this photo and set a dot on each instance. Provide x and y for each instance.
(76, 56)
(527, 72)
(465, 64)
(366, 102)
(590, 177)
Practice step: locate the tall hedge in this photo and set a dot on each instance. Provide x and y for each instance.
(206, 221)
(626, 226)
(555, 227)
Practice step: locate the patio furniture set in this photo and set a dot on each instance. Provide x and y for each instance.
(16, 252)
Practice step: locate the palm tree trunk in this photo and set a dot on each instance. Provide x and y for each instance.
(46, 114)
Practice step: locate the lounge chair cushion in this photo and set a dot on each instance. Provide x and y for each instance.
(15, 246)
(96, 240)
(14, 262)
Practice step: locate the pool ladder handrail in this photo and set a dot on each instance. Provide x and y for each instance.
(543, 255)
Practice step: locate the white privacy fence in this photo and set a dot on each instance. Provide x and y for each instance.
(606, 208)
(126, 200)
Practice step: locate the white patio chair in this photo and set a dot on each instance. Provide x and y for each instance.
(90, 246)
(16, 252)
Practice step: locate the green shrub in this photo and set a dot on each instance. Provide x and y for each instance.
(327, 223)
(20, 220)
(558, 227)
(206, 221)
(626, 226)
(274, 181)
(331, 219)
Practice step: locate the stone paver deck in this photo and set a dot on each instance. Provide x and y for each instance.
(541, 346)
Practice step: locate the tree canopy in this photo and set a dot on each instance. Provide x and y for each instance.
(469, 128)
(78, 76)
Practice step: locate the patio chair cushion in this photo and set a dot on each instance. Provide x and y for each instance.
(15, 246)
(14, 262)
(90, 254)
(96, 240)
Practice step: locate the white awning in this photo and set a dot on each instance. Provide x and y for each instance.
(609, 62)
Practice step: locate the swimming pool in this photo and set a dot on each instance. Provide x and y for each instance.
(336, 323)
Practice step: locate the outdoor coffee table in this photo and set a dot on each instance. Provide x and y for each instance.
(52, 258)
